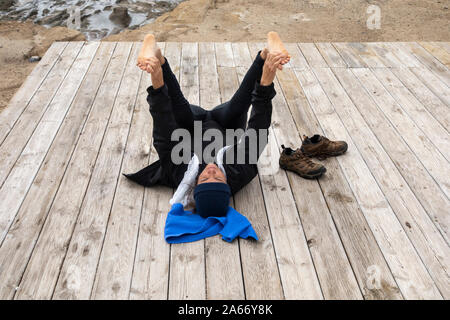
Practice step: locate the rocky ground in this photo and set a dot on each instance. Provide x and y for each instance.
(97, 19)
(242, 20)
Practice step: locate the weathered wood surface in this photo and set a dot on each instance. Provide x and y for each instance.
(375, 226)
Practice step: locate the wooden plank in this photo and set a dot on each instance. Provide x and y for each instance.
(312, 55)
(386, 55)
(437, 51)
(413, 108)
(409, 271)
(434, 84)
(297, 272)
(331, 263)
(34, 250)
(360, 245)
(187, 260)
(19, 102)
(422, 69)
(331, 56)
(333, 268)
(434, 105)
(241, 55)
(297, 59)
(208, 77)
(259, 265)
(222, 260)
(420, 229)
(21, 238)
(351, 59)
(368, 264)
(432, 159)
(365, 53)
(428, 60)
(42, 271)
(223, 52)
(422, 184)
(114, 271)
(18, 137)
(27, 165)
(151, 265)
(88, 235)
(406, 58)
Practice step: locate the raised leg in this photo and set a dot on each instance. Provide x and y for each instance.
(233, 113)
(180, 106)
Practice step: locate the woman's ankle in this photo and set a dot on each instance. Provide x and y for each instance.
(259, 60)
(164, 62)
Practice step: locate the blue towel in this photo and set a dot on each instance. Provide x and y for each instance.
(184, 226)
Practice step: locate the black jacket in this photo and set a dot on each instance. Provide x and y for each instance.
(164, 172)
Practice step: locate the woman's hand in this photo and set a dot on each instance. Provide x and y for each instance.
(154, 68)
(272, 63)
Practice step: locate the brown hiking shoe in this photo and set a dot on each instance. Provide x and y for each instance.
(296, 161)
(321, 147)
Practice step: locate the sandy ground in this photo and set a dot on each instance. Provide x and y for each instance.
(19, 42)
(242, 20)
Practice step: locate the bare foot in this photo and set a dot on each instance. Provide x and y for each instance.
(149, 50)
(276, 45)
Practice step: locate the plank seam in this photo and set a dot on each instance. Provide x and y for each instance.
(323, 197)
(408, 114)
(48, 149)
(379, 187)
(59, 185)
(90, 178)
(410, 52)
(43, 114)
(34, 93)
(396, 130)
(142, 205)
(115, 189)
(389, 155)
(383, 192)
(353, 192)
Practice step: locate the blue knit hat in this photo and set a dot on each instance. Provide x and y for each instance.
(212, 199)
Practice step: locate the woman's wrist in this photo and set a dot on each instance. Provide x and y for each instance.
(265, 81)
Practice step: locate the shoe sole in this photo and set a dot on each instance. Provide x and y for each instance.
(305, 175)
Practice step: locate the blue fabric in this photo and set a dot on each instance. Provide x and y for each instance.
(212, 199)
(185, 226)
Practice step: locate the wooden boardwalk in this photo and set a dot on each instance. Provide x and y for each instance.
(375, 226)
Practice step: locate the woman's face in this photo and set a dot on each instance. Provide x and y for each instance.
(211, 173)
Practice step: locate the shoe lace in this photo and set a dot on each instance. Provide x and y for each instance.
(299, 155)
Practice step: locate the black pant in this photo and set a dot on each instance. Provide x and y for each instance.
(170, 111)
(230, 115)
